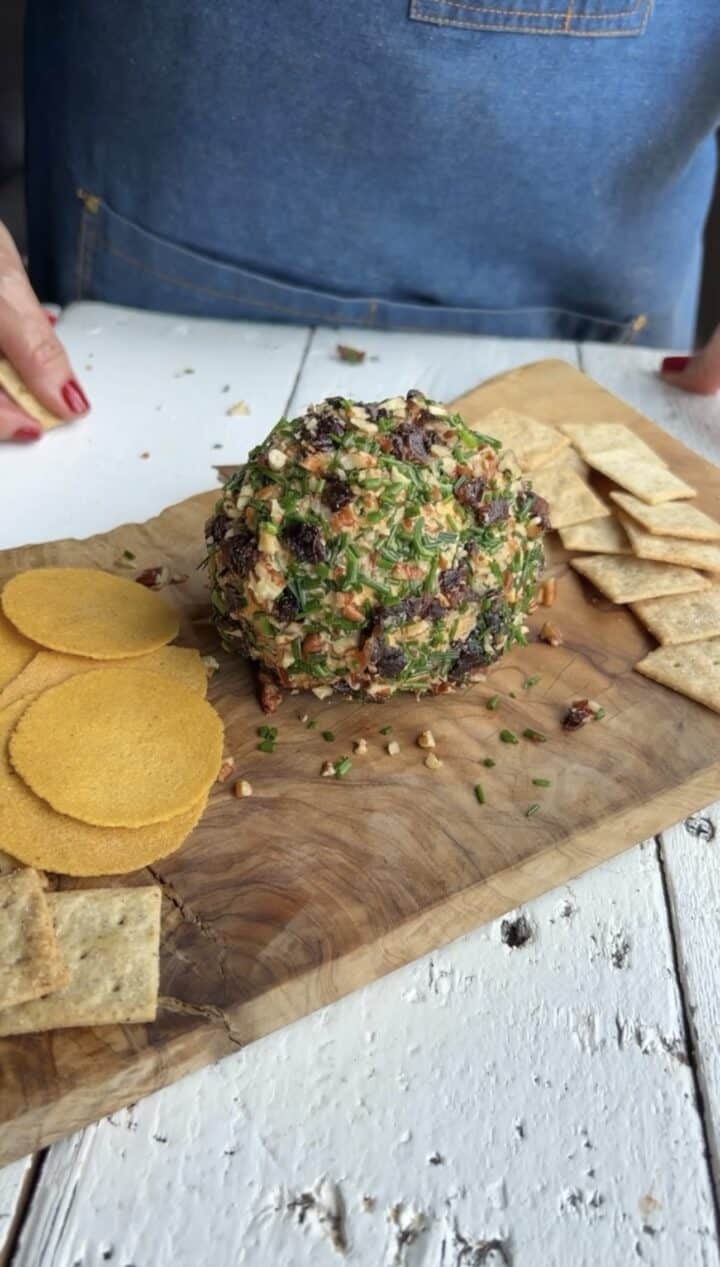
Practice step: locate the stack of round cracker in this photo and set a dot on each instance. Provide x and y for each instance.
(108, 748)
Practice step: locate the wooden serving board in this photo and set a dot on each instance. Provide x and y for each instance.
(282, 903)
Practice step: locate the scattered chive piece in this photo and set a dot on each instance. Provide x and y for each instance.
(328, 736)
(534, 736)
(531, 681)
(268, 732)
(386, 730)
(128, 554)
(342, 766)
(266, 745)
(542, 782)
(599, 713)
(532, 810)
(311, 725)
(488, 763)
(479, 794)
(493, 703)
(507, 736)
(512, 695)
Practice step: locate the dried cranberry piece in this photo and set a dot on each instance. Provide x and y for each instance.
(336, 493)
(410, 443)
(470, 493)
(286, 606)
(241, 551)
(305, 541)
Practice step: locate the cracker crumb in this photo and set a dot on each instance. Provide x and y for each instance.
(360, 747)
(328, 770)
(393, 748)
(211, 664)
(432, 762)
(238, 410)
(426, 739)
(226, 769)
(243, 788)
(322, 692)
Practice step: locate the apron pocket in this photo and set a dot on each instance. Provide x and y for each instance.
(120, 262)
(538, 17)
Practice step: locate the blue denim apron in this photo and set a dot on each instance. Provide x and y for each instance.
(517, 167)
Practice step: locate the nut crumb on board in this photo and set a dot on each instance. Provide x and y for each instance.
(243, 788)
(226, 769)
(393, 748)
(432, 762)
(328, 770)
(426, 739)
(550, 635)
(360, 747)
(548, 592)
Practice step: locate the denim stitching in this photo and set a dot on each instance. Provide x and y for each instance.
(538, 13)
(342, 318)
(514, 29)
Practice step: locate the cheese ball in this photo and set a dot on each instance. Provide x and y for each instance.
(374, 548)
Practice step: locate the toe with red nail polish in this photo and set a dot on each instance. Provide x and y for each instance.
(675, 364)
(75, 398)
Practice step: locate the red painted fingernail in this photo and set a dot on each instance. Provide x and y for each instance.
(674, 364)
(26, 434)
(75, 398)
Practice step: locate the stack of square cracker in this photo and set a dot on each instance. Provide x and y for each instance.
(660, 555)
(647, 547)
(78, 958)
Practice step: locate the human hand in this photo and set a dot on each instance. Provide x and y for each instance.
(29, 342)
(700, 373)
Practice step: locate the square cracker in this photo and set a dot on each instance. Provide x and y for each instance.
(31, 963)
(670, 521)
(615, 451)
(11, 383)
(110, 940)
(627, 580)
(602, 536)
(693, 670)
(691, 554)
(607, 437)
(570, 499)
(532, 442)
(681, 618)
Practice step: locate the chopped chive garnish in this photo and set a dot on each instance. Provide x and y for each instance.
(512, 695)
(535, 736)
(599, 712)
(532, 810)
(493, 702)
(531, 681)
(128, 554)
(542, 783)
(386, 730)
(328, 736)
(311, 725)
(342, 766)
(268, 732)
(479, 793)
(507, 736)
(266, 745)
(488, 763)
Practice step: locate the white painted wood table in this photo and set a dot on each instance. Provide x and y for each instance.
(555, 1105)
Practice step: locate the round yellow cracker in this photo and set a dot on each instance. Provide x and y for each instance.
(88, 612)
(49, 668)
(119, 748)
(15, 651)
(34, 834)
